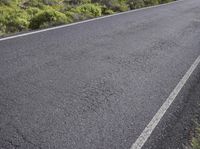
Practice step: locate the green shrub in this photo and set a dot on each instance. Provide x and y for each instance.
(165, 1)
(2, 29)
(33, 3)
(7, 2)
(196, 139)
(84, 11)
(77, 2)
(108, 12)
(151, 2)
(15, 20)
(52, 2)
(115, 5)
(40, 3)
(90, 10)
(17, 24)
(196, 143)
(32, 11)
(118, 5)
(70, 14)
(135, 4)
(47, 18)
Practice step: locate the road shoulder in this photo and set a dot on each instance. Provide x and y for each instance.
(179, 124)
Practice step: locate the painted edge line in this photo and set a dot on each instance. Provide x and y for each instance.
(85, 21)
(139, 143)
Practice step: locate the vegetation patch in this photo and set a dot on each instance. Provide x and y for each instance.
(195, 143)
(48, 17)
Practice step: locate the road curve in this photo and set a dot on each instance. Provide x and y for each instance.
(95, 85)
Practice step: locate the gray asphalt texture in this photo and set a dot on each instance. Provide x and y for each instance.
(178, 125)
(94, 85)
(185, 121)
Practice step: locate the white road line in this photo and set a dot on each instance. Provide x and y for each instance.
(139, 143)
(76, 23)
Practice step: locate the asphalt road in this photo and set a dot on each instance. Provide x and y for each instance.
(95, 85)
(184, 122)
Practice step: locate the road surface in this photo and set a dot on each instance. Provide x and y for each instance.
(95, 85)
(184, 121)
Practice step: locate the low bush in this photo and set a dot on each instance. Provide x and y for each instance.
(13, 20)
(107, 11)
(77, 2)
(48, 18)
(7, 2)
(117, 5)
(32, 3)
(32, 11)
(84, 11)
(135, 4)
(196, 139)
(151, 2)
(89, 10)
(165, 1)
(2, 29)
